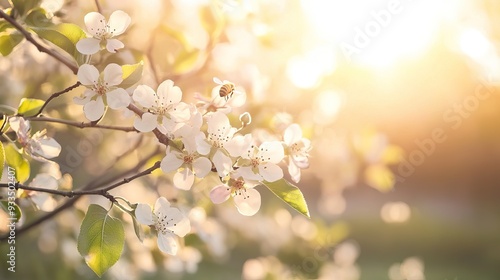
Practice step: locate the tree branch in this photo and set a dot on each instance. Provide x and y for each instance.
(82, 124)
(39, 46)
(89, 186)
(102, 191)
(57, 94)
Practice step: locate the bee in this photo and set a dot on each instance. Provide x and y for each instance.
(226, 90)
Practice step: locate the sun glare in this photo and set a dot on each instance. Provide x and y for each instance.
(378, 33)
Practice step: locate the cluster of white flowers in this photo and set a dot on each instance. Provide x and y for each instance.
(205, 140)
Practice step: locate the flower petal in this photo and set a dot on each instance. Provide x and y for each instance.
(247, 201)
(161, 205)
(247, 173)
(118, 98)
(180, 112)
(294, 171)
(202, 146)
(292, 134)
(271, 151)
(144, 214)
(220, 194)
(238, 145)
(44, 201)
(184, 179)
(168, 93)
(118, 22)
(145, 96)
(88, 46)
(112, 74)
(167, 243)
(222, 163)
(218, 123)
(180, 224)
(239, 98)
(112, 45)
(85, 98)
(95, 23)
(44, 181)
(49, 148)
(88, 75)
(270, 172)
(201, 167)
(145, 123)
(94, 109)
(171, 162)
(21, 126)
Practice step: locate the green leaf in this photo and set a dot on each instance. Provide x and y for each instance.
(4, 25)
(12, 210)
(16, 160)
(24, 6)
(64, 35)
(132, 73)
(101, 239)
(2, 159)
(29, 107)
(38, 18)
(290, 194)
(8, 41)
(186, 61)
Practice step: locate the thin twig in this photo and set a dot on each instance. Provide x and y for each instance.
(98, 6)
(82, 124)
(72, 201)
(39, 46)
(102, 191)
(57, 94)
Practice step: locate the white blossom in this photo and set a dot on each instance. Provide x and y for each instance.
(246, 199)
(188, 164)
(297, 149)
(164, 107)
(219, 132)
(259, 163)
(39, 146)
(168, 222)
(101, 90)
(102, 32)
(43, 201)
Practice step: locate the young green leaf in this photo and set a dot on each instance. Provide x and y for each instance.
(38, 18)
(24, 6)
(29, 107)
(64, 35)
(8, 41)
(132, 73)
(16, 160)
(12, 210)
(101, 239)
(290, 194)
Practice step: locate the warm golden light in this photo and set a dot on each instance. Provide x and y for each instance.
(395, 212)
